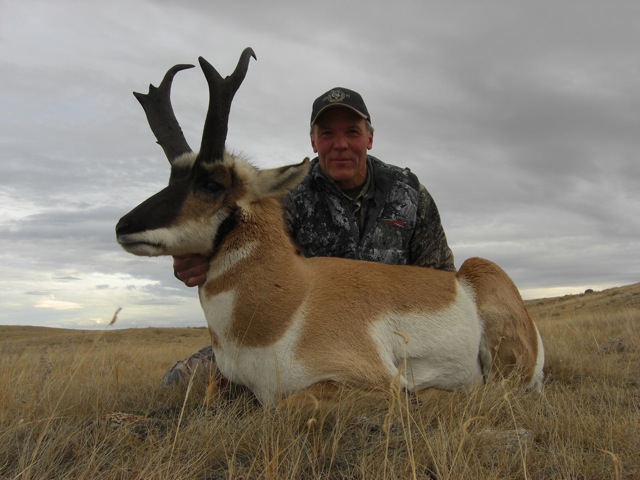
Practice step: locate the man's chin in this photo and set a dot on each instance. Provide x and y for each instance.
(342, 171)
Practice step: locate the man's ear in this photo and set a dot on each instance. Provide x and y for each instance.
(313, 142)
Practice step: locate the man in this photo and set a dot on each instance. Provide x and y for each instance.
(350, 205)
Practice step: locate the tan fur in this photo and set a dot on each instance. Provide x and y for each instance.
(198, 207)
(312, 320)
(369, 287)
(260, 323)
(509, 330)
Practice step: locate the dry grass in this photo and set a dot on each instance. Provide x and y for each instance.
(58, 389)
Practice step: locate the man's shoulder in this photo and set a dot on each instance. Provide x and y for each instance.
(399, 173)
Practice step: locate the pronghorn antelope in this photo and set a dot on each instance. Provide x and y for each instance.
(281, 323)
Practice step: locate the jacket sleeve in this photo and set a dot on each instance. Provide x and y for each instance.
(428, 245)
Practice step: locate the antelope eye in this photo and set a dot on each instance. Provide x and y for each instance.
(213, 187)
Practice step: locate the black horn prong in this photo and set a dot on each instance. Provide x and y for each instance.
(243, 66)
(162, 120)
(221, 93)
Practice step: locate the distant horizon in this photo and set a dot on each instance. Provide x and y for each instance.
(117, 326)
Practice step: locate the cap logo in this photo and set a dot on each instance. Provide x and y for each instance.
(339, 96)
(335, 96)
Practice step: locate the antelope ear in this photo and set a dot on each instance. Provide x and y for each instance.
(275, 182)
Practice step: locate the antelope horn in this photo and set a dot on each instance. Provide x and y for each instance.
(221, 92)
(162, 120)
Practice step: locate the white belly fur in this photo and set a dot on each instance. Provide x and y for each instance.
(438, 350)
(270, 372)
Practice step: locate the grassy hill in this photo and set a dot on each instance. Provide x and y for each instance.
(592, 301)
(89, 404)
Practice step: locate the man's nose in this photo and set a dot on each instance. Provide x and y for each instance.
(340, 142)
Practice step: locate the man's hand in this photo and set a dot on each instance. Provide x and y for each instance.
(191, 269)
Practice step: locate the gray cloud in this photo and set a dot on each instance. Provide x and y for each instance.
(521, 119)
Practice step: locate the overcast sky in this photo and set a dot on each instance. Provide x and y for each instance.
(521, 118)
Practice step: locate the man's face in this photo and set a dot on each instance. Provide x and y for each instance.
(341, 139)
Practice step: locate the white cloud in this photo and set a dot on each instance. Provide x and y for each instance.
(50, 303)
(521, 119)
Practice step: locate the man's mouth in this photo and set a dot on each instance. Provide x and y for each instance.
(341, 161)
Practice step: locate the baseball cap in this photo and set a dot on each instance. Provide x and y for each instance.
(339, 97)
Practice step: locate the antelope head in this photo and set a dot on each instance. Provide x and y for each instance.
(206, 190)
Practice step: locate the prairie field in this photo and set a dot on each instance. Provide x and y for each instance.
(90, 405)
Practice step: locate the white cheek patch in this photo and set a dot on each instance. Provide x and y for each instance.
(139, 244)
(219, 266)
(189, 236)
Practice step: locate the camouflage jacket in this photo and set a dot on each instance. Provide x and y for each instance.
(400, 223)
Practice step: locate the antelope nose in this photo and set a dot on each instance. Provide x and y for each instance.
(122, 226)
